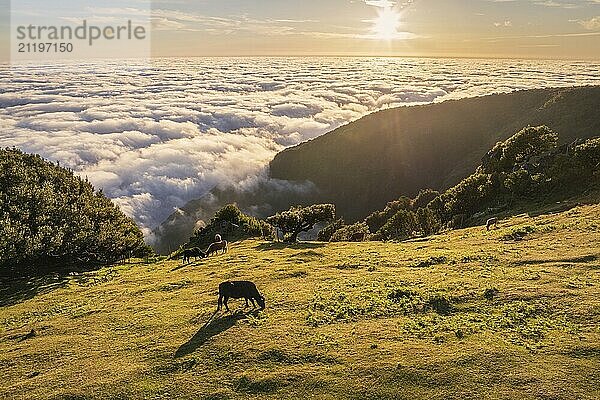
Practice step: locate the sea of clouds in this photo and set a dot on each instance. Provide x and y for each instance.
(156, 136)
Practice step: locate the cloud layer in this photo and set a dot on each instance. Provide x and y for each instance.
(154, 137)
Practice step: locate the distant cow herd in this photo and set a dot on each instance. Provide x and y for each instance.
(245, 289)
(231, 289)
(195, 252)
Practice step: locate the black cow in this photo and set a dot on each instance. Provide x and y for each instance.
(239, 290)
(193, 252)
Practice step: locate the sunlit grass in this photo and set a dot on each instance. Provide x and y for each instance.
(513, 313)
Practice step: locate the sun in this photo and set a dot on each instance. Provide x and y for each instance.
(385, 26)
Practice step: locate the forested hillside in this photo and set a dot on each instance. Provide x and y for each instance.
(363, 165)
(526, 171)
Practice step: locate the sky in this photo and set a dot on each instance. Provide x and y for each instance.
(463, 28)
(562, 29)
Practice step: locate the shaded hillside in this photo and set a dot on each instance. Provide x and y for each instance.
(362, 165)
(528, 169)
(468, 314)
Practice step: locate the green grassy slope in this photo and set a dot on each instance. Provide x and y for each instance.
(361, 166)
(363, 320)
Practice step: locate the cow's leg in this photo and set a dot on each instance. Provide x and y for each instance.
(252, 300)
(225, 302)
(220, 302)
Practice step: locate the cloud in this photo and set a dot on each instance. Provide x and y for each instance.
(380, 3)
(591, 24)
(156, 137)
(505, 24)
(556, 4)
(553, 3)
(388, 3)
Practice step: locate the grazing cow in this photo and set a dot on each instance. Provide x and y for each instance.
(358, 237)
(216, 246)
(491, 222)
(239, 290)
(193, 252)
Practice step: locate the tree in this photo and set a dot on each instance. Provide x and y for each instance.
(376, 220)
(301, 219)
(401, 226)
(53, 220)
(232, 224)
(428, 221)
(424, 197)
(519, 148)
(327, 232)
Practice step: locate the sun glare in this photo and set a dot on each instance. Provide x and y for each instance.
(386, 24)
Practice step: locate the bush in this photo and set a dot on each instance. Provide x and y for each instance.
(400, 227)
(440, 304)
(357, 232)
(327, 232)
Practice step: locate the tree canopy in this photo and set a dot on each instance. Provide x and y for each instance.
(301, 219)
(232, 224)
(53, 220)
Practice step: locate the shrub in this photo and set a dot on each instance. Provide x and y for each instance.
(400, 227)
(327, 232)
(440, 304)
(351, 233)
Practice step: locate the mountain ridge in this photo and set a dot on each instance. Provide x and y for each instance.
(366, 163)
(467, 127)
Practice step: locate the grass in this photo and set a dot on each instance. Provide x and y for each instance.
(513, 313)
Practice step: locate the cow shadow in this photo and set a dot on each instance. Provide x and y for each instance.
(212, 327)
(284, 245)
(190, 263)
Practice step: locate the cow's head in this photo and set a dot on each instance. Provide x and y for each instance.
(261, 301)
